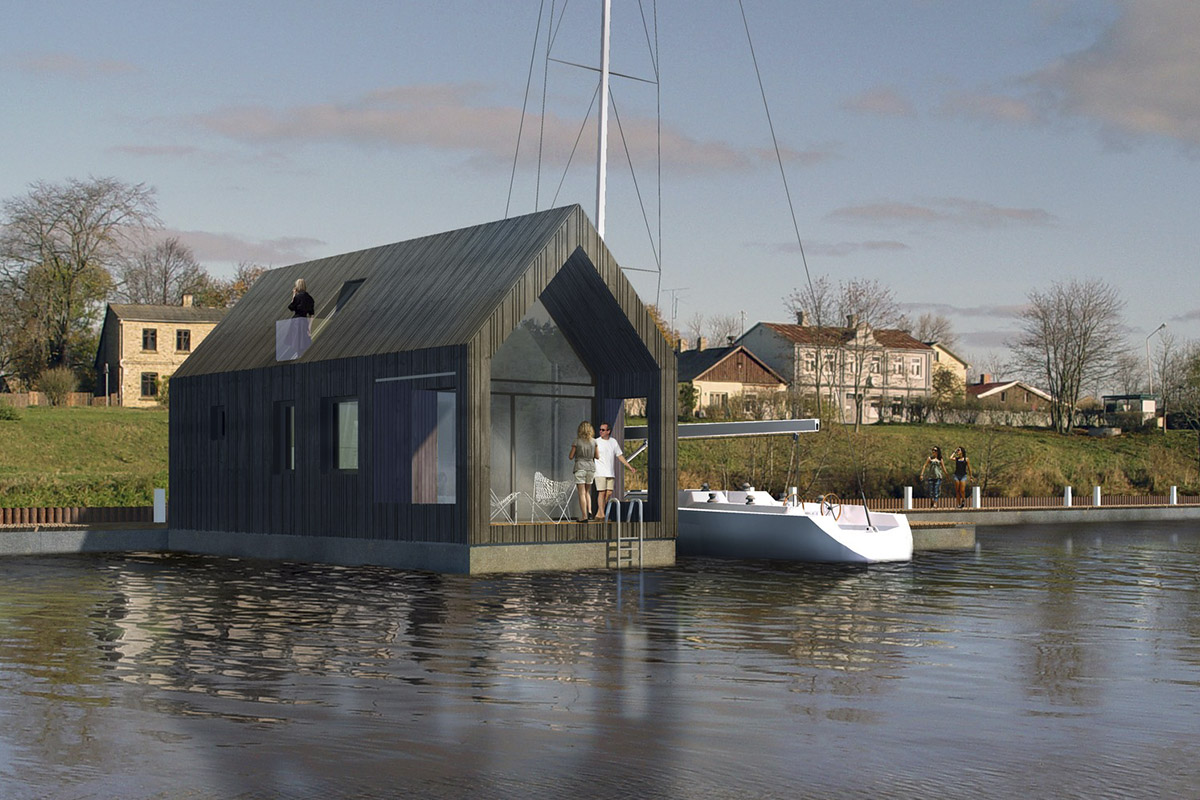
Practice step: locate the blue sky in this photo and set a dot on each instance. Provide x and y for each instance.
(962, 153)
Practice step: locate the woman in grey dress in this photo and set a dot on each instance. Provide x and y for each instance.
(583, 453)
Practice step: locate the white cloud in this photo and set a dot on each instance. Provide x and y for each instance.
(457, 118)
(885, 101)
(232, 249)
(1142, 77)
(69, 65)
(953, 211)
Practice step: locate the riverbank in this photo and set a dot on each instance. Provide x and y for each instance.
(933, 529)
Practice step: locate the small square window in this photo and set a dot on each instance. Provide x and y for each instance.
(149, 384)
(149, 338)
(183, 341)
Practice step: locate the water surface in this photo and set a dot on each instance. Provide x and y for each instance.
(1049, 662)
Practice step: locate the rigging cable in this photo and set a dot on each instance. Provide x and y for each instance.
(520, 128)
(537, 186)
(775, 142)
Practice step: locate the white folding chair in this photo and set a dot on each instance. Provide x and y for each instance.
(500, 506)
(551, 497)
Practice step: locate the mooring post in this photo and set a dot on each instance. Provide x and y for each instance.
(1174, 495)
(1096, 495)
(1067, 497)
(976, 500)
(160, 505)
(908, 498)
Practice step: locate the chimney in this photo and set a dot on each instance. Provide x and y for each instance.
(852, 320)
(729, 340)
(985, 377)
(187, 301)
(801, 317)
(701, 343)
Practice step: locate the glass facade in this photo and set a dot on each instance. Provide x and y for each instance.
(541, 391)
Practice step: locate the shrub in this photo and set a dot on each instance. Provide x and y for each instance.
(57, 383)
(7, 412)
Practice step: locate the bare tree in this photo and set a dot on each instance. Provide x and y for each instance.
(162, 274)
(867, 306)
(1067, 340)
(1129, 374)
(723, 328)
(58, 245)
(695, 327)
(815, 307)
(935, 328)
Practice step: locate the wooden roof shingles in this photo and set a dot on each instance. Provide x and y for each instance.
(433, 291)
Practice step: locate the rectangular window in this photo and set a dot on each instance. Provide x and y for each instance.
(810, 362)
(183, 341)
(897, 366)
(149, 338)
(216, 423)
(874, 366)
(345, 433)
(149, 384)
(285, 436)
(434, 446)
(914, 368)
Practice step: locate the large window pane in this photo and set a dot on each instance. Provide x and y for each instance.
(346, 451)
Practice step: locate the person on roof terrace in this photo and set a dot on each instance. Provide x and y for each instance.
(302, 303)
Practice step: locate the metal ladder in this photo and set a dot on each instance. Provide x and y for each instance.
(625, 544)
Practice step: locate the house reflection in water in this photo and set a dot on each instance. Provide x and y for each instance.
(440, 373)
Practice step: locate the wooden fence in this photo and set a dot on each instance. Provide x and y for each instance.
(75, 515)
(26, 399)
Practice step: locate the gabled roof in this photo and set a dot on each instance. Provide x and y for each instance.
(692, 364)
(984, 390)
(941, 347)
(830, 336)
(469, 285)
(148, 312)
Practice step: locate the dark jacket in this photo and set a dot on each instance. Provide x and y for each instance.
(303, 305)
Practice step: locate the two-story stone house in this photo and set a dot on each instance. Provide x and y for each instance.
(884, 370)
(141, 344)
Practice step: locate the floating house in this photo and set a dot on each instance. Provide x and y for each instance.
(422, 419)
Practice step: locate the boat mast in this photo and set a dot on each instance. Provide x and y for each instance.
(602, 146)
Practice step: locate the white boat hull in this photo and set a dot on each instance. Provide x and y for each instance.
(727, 527)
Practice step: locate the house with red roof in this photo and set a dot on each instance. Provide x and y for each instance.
(878, 373)
(1009, 395)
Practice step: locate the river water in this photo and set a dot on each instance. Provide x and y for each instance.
(1049, 662)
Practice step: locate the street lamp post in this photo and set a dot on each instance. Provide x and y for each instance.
(1149, 368)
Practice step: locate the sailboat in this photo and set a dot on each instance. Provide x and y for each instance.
(747, 523)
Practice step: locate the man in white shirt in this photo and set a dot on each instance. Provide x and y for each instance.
(608, 453)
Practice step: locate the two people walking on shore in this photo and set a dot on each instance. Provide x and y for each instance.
(937, 471)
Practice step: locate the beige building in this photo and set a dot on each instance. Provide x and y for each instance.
(142, 344)
(719, 373)
(944, 358)
(884, 371)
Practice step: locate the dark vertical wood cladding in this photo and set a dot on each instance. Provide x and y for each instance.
(228, 484)
(438, 307)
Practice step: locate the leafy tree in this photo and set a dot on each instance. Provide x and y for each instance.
(688, 395)
(58, 245)
(1069, 339)
(946, 391)
(213, 292)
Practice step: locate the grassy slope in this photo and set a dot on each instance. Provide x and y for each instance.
(82, 457)
(116, 456)
(1007, 461)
